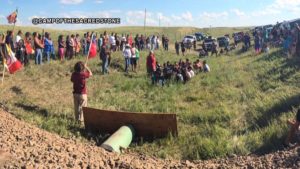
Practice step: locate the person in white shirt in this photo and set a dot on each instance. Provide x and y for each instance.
(127, 56)
(112, 41)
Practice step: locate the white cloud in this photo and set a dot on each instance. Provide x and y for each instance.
(71, 1)
(214, 15)
(187, 16)
(98, 2)
(238, 12)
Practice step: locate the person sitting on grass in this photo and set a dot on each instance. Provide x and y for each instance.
(198, 66)
(158, 76)
(190, 73)
(294, 127)
(78, 78)
(206, 68)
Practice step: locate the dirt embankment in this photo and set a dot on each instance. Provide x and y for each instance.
(26, 146)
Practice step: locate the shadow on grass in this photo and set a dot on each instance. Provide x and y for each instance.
(52, 122)
(16, 90)
(278, 109)
(33, 108)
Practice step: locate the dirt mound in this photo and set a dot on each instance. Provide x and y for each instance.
(26, 146)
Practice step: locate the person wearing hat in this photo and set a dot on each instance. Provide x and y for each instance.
(127, 56)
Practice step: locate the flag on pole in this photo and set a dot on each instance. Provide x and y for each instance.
(93, 48)
(12, 63)
(12, 18)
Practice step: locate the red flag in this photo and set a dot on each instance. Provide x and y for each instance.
(12, 63)
(93, 50)
(12, 18)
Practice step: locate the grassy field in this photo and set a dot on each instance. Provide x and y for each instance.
(240, 107)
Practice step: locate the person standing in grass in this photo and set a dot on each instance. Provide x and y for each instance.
(28, 48)
(133, 57)
(38, 45)
(182, 48)
(257, 43)
(69, 48)
(48, 45)
(177, 46)
(84, 44)
(61, 47)
(104, 56)
(78, 78)
(151, 63)
(100, 42)
(127, 56)
(137, 55)
(77, 44)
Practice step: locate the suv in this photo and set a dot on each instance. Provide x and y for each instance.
(222, 41)
(200, 36)
(208, 43)
(189, 39)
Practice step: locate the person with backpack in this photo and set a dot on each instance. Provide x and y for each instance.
(78, 78)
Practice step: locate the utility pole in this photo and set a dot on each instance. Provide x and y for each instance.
(145, 20)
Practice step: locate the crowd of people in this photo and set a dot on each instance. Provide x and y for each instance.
(286, 36)
(181, 71)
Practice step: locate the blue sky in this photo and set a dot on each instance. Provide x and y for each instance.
(198, 13)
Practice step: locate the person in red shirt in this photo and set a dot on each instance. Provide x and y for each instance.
(79, 76)
(151, 63)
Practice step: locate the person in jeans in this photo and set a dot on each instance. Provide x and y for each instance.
(38, 45)
(104, 55)
(127, 57)
(78, 78)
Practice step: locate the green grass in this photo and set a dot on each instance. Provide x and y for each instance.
(240, 107)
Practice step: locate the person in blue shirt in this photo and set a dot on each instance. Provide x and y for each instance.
(48, 46)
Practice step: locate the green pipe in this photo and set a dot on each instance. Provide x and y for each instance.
(119, 140)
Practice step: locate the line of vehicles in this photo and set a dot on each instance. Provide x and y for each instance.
(207, 40)
(237, 36)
